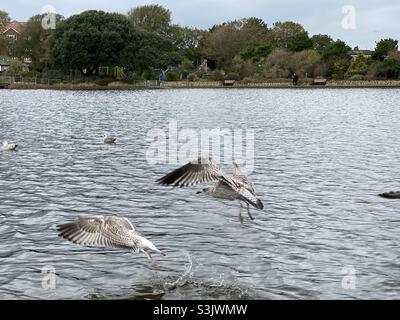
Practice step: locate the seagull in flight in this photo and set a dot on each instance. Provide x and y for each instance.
(228, 187)
(111, 231)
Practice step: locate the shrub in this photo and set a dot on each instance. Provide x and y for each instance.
(248, 80)
(216, 75)
(53, 74)
(172, 76)
(232, 76)
(16, 69)
(31, 74)
(186, 64)
(191, 77)
(149, 75)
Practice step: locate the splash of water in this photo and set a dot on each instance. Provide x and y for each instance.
(182, 279)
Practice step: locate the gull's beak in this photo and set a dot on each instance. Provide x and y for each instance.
(160, 252)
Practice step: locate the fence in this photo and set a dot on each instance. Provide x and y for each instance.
(10, 80)
(82, 82)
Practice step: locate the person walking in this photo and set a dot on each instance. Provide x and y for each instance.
(295, 79)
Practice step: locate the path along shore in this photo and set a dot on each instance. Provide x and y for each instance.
(208, 84)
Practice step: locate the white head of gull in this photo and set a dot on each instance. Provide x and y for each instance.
(109, 139)
(9, 146)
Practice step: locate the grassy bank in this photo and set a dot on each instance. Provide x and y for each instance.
(209, 84)
(287, 84)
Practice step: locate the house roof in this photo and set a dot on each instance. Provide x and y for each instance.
(15, 25)
(356, 51)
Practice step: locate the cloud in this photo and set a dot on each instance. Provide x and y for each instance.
(375, 19)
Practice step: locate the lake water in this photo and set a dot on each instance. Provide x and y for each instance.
(321, 157)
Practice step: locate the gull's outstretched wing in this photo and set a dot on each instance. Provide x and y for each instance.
(194, 172)
(99, 231)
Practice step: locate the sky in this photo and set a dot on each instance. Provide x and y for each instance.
(358, 22)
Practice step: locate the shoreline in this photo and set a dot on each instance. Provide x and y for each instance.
(342, 84)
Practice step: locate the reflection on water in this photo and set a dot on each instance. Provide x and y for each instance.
(321, 158)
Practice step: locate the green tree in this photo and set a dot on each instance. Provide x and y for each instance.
(187, 65)
(306, 63)
(4, 19)
(256, 52)
(92, 39)
(187, 40)
(337, 59)
(339, 68)
(16, 68)
(321, 42)
(3, 45)
(357, 66)
(153, 18)
(152, 51)
(225, 41)
(277, 64)
(283, 32)
(383, 47)
(337, 49)
(299, 42)
(33, 42)
(389, 68)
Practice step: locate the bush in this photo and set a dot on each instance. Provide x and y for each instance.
(232, 76)
(16, 69)
(248, 80)
(53, 74)
(192, 77)
(31, 74)
(216, 76)
(149, 75)
(186, 64)
(172, 76)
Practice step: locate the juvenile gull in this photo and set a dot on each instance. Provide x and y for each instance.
(235, 187)
(9, 146)
(112, 231)
(109, 139)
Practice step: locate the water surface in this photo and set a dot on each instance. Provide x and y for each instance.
(321, 158)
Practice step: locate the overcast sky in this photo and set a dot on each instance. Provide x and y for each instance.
(375, 19)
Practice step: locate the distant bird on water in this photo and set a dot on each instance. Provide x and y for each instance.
(9, 146)
(235, 187)
(109, 139)
(390, 195)
(112, 231)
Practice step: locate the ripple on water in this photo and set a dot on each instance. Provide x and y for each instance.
(321, 158)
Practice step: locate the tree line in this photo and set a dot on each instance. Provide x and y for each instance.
(144, 42)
